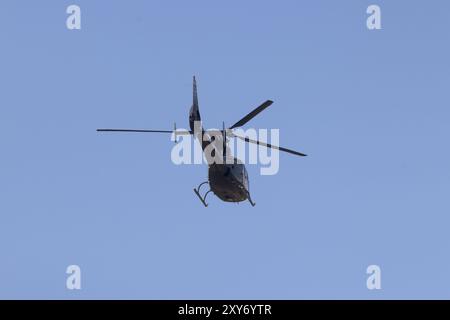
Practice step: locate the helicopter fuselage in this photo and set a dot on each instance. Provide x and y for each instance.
(229, 182)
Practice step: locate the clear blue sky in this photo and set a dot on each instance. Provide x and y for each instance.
(370, 108)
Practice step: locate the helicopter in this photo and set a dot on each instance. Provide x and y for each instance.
(227, 179)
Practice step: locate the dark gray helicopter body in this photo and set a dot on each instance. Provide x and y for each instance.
(229, 182)
(227, 179)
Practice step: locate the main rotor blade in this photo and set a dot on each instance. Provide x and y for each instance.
(178, 132)
(270, 146)
(252, 114)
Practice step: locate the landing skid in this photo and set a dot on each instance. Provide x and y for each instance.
(250, 200)
(202, 198)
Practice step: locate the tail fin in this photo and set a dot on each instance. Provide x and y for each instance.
(194, 113)
(195, 98)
